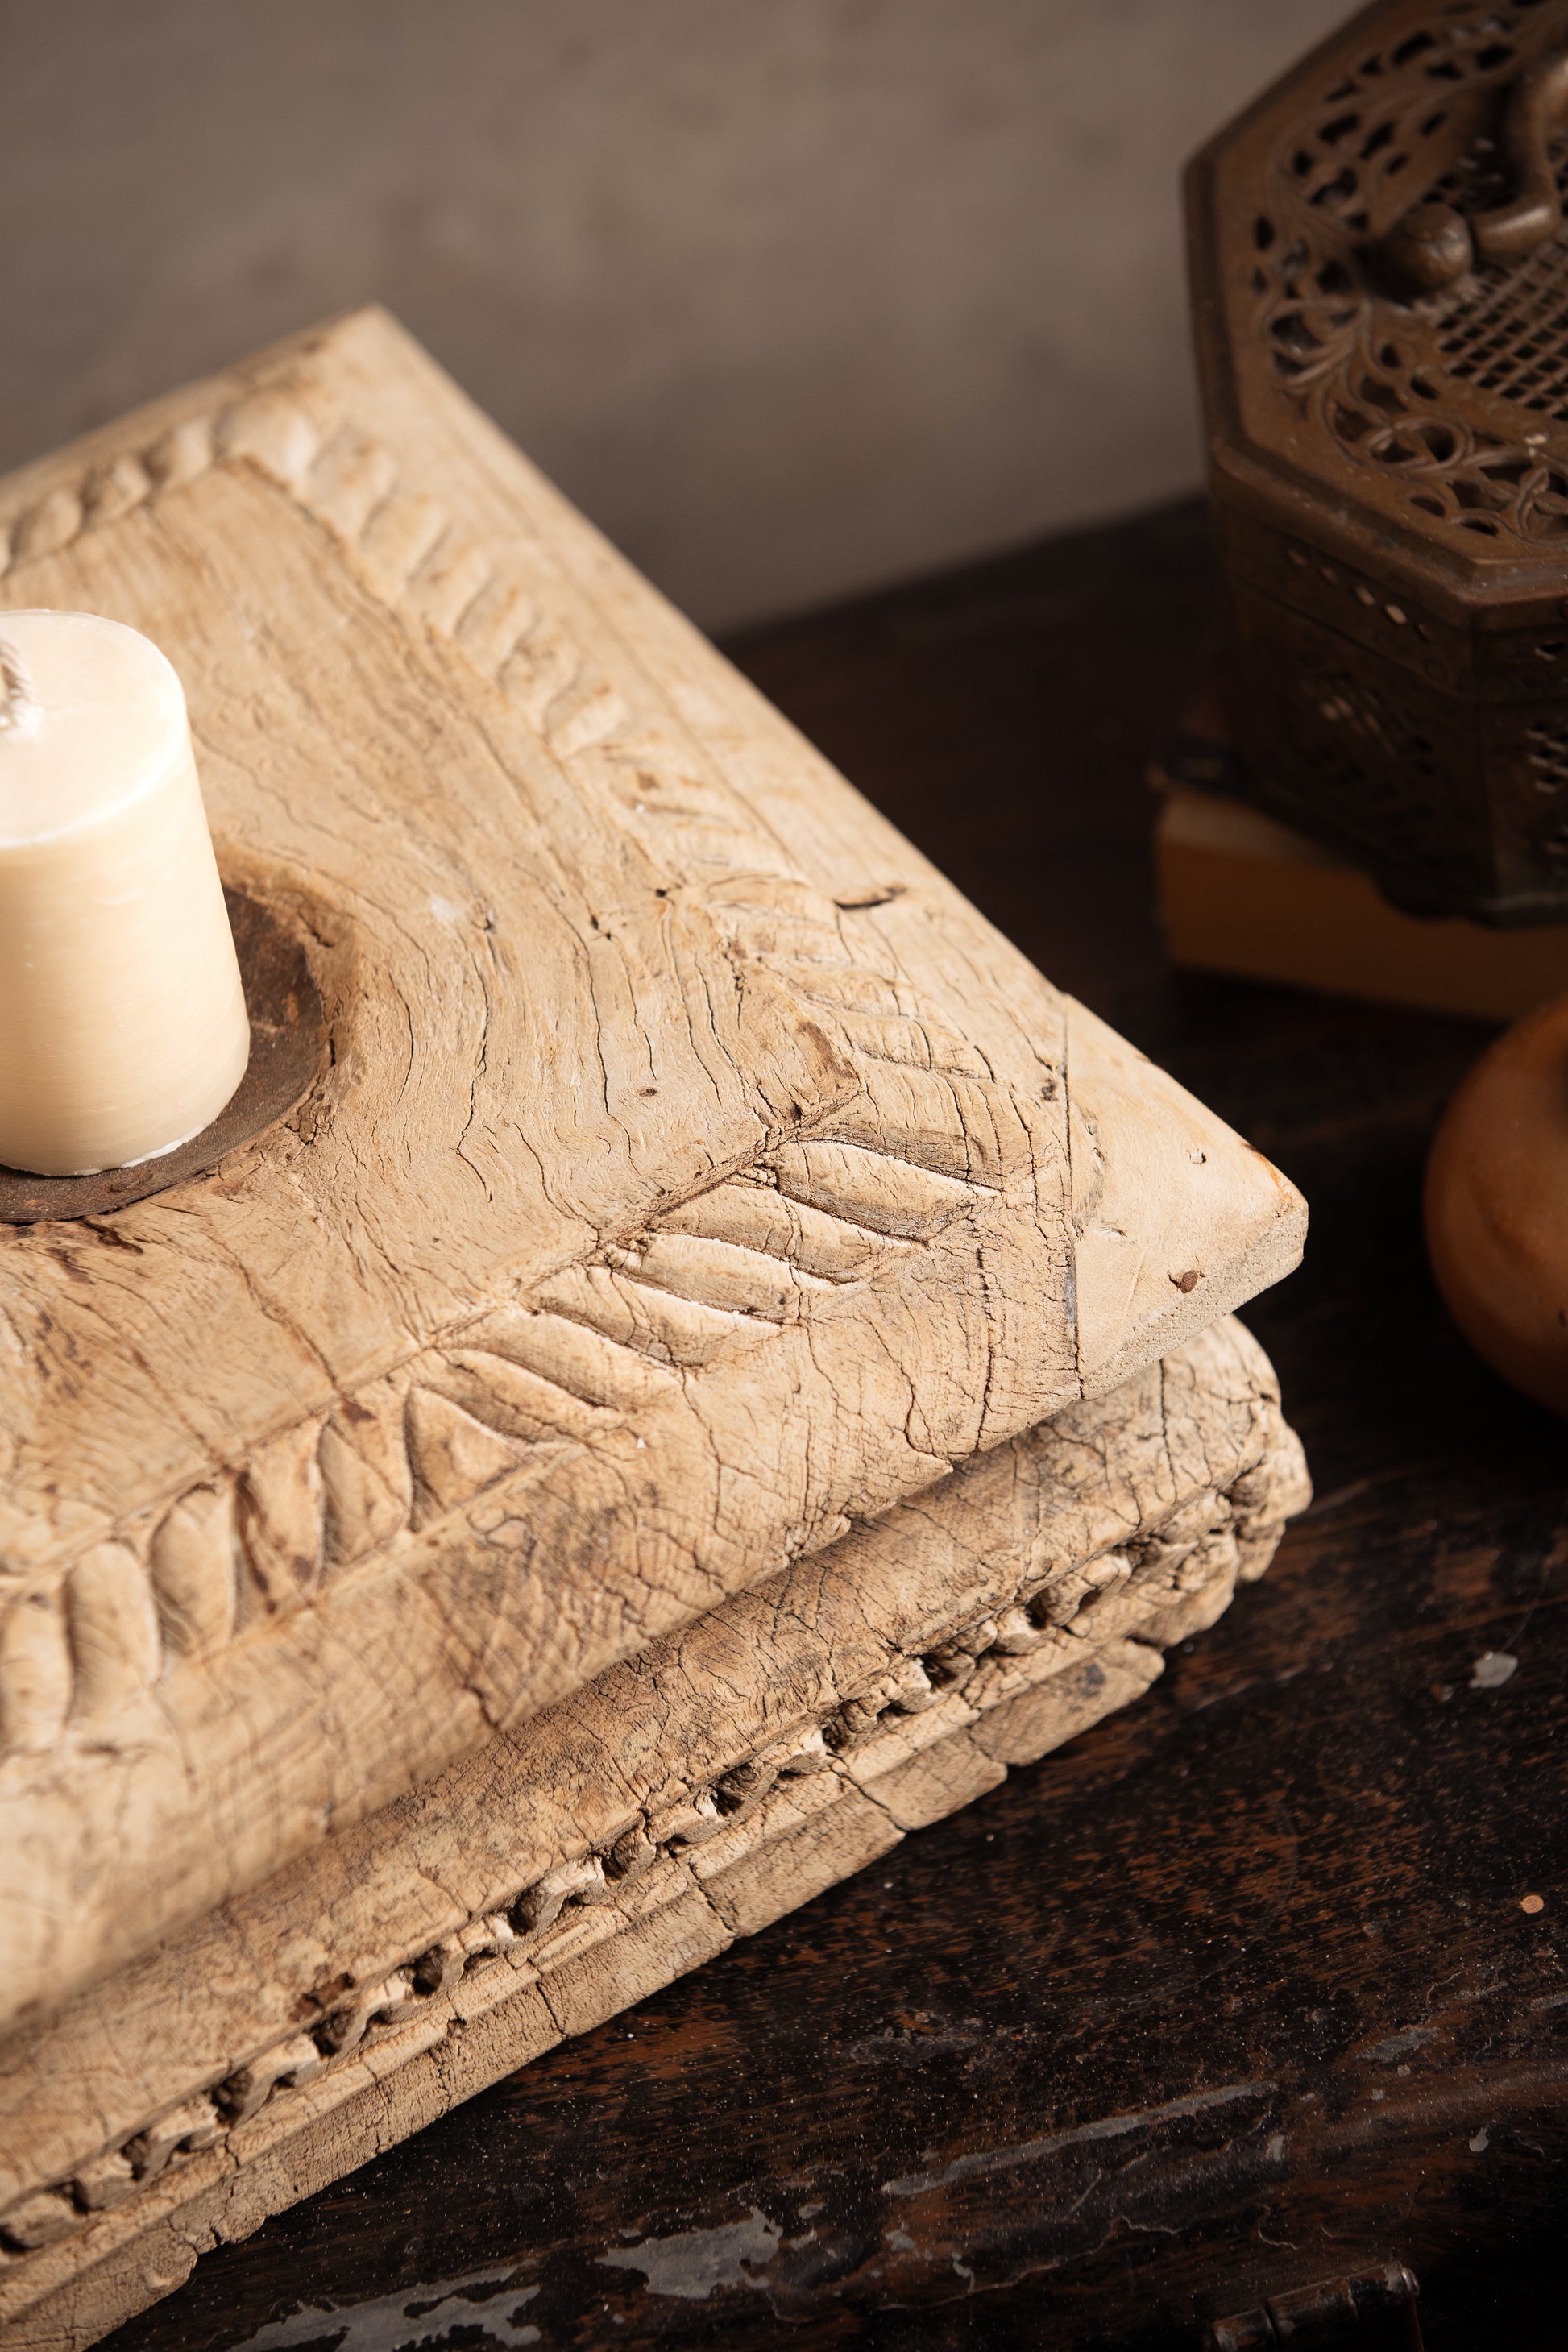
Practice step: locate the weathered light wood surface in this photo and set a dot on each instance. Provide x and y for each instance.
(696, 1170)
(1243, 1878)
(693, 1794)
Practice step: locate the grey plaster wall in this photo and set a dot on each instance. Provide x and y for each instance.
(794, 295)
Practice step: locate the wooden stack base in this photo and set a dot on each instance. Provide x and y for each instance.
(692, 1795)
(1243, 894)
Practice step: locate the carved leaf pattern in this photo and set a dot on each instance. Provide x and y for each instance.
(195, 1562)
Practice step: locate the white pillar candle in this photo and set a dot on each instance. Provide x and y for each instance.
(122, 1021)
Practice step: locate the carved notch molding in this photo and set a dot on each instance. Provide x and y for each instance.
(1038, 1628)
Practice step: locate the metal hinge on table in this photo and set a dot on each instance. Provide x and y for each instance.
(1314, 2315)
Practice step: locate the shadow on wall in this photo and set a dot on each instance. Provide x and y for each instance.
(793, 296)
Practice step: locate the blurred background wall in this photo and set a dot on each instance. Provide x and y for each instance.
(794, 297)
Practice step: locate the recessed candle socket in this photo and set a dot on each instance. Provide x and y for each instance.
(122, 1020)
(289, 1052)
(149, 1022)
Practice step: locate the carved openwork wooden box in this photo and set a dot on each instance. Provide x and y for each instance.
(1381, 283)
(460, 1560)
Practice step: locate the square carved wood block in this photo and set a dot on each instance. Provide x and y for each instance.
(692, 1175)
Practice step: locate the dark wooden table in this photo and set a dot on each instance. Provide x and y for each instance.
(1293, 1874)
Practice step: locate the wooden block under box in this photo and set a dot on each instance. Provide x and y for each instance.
(1242, 894)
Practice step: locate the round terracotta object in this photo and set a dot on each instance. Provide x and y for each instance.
(1497, 1206)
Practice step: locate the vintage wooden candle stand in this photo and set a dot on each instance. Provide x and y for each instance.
(687, 1360)
(1381, 285)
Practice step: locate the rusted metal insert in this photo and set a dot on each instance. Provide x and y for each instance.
(287, 1054)
(1324, 2310)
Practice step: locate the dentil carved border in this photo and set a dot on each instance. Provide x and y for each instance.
(1060, 1622)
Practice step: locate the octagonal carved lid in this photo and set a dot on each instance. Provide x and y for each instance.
(1380, 273)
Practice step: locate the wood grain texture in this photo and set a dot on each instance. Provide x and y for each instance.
(695, 1793)
(696, 1172)
(1303, 1848)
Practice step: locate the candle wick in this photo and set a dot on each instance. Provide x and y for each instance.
(20, 695)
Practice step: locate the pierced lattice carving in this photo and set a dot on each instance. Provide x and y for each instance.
(1381, 271)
